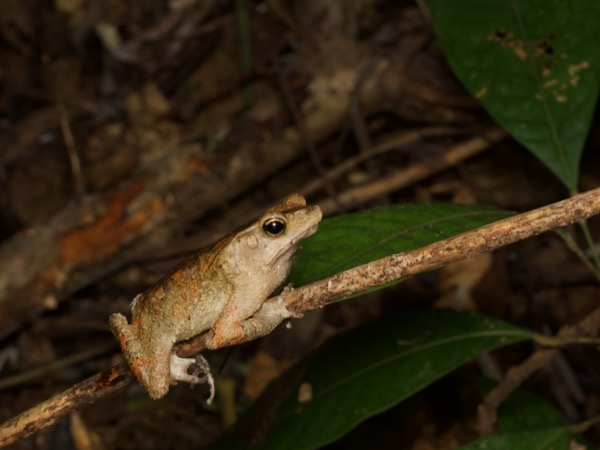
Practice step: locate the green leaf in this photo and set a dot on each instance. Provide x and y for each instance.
(548, 439)
(349, 240)
(368, 370)
(533, 64)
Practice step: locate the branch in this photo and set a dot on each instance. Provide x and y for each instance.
(466, 245)
(321, 293)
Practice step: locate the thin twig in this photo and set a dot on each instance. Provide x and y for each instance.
(576, 249)
(55, 408)
(74, 160)
(401, 178)
(393, 142)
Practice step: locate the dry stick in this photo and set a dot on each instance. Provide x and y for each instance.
(397, 140)
(55, 408)
(407, 176)
(320, 293)
(72, 150)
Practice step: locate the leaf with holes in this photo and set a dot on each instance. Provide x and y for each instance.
(533, 64)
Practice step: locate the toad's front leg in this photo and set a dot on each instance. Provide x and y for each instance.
(227, 332)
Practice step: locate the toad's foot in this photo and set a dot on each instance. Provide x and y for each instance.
(199, 365)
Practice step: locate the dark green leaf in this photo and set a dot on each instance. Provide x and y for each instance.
(533, 64)
(371, 369)
(349, 240)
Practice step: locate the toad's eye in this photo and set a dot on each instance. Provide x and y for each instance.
(274, 226)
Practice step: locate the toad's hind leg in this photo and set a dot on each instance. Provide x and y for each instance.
(149, 361)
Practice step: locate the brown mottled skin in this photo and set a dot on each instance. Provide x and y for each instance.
(217, 288)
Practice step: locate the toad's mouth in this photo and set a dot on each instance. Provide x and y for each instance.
(293, 244)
